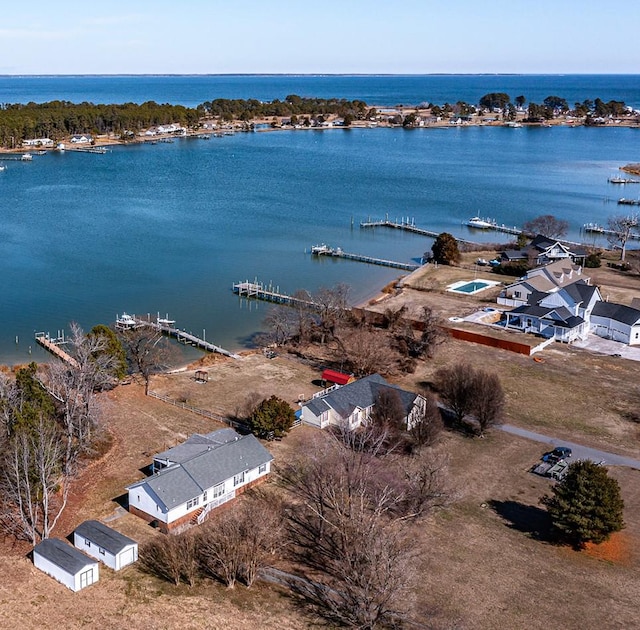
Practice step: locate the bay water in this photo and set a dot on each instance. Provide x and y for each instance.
(170, 227)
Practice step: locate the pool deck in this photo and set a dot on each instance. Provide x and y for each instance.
(456, 287)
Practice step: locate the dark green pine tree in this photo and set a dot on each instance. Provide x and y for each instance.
(273, 417)
(586, 505)
(445, 249)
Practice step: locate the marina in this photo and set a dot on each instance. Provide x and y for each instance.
(337, 252)
(166, 326)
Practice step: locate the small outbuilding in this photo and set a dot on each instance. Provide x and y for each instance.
(105, 544)
(65, 563)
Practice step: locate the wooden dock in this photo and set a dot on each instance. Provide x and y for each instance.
(53, 346)
(325, 250)
(165, 326)
(628, 202)
(594, 228)
(268, 293)
(407, 226)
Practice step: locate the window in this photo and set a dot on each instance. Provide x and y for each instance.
(218, 491)
(204, 497)
(238, 479)
(193, 502)
(516, 294)
(87, 542)
(102, 552)
(262, 468)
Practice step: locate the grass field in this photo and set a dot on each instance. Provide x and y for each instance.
(485, 562)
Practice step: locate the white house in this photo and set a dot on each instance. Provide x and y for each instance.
(350, 405)
(197, 476)
(105, 544)
(65, 564)
(38, 142)
(617, 322)
(82, 139)
(547, 279)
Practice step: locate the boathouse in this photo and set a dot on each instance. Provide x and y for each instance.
(65, 564)
(105, 544)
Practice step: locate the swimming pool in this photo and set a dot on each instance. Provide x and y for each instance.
(470, 287)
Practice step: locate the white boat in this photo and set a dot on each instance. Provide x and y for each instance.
(26, 157)
(480, 223)
(2, 168)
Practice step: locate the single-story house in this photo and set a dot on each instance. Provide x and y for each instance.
(80, 139)
(196, 477)
(351, 405)
(105, 544)
(617, 322)
(38, 142)
(66, 564)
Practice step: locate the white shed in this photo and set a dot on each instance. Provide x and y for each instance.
(65, 564)
(105, 544)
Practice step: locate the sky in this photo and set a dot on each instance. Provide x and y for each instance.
(332, 37)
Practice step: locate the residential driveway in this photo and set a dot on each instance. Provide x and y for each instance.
(579, 451)
(597, 344)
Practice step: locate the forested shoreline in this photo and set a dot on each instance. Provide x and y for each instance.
(58, 120)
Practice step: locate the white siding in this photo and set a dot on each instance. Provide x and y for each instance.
(140, 499)
(116, 562)
(71, 581)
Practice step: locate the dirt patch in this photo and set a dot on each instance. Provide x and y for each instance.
(616, 550)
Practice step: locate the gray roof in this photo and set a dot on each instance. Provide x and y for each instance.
(618, 312)
(580, 291)
(559, 315)
(196, 444)
(177, 484)
(109, 539)
(362, 394)
(63, 555)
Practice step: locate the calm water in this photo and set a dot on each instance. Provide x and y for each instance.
(375, 90)
(170, 227)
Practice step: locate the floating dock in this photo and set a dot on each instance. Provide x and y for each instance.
(623, 180)
(628, 202)
(325, 250)
(166, 327)
(53, 346)
(407, 226)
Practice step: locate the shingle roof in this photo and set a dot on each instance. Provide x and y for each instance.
(109, 539)
(177, 484)
(618, 312)
(63, 555)
(580, 291)
(362, 394)
(196, 444)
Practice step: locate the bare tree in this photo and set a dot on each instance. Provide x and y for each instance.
(172, 558)
(547, 225)
(466, 391)
(147, 351)
(427, 425)
(366, 351)
(456, 385)
(281, 324)
(347, 534)
(331, 304)
(489, 400)
(621, 228)
(33, 485)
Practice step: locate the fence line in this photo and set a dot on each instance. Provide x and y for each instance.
(201, 412)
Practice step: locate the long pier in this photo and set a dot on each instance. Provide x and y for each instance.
(598, 229)
(53, 346)
(268, 293)
(96, 150)
(165, 326)
(325, 250)
(407, 226)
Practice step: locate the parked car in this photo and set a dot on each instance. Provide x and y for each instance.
(558, 453)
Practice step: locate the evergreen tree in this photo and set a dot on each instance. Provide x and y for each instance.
(586, 505)
(273, 417)
(445, 249)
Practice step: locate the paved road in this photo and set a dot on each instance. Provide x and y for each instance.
(579, 451)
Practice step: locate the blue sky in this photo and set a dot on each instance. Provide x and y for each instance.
(347, 36)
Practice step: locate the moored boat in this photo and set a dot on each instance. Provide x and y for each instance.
(480, 224)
